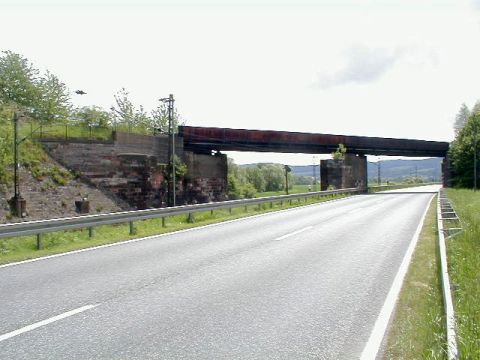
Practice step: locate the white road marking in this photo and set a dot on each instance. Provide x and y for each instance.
(45, 322)
(376, 337)
(294, 233)
(126, 242)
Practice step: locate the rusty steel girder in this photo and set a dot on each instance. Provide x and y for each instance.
(204, 139)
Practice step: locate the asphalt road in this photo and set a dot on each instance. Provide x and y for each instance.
(306, 283)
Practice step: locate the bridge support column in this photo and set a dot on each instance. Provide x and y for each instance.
(351, 172)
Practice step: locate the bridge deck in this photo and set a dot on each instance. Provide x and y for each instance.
(225, 139)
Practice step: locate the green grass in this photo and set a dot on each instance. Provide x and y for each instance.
(22, 248)
(464, 266)
(418, 330)
(73, 131)
(70, 131)
(297, 189)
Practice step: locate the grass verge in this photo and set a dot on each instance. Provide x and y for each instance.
(464, 265)
(418, 330)
(22, 248)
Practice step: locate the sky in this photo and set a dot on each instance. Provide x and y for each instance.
(398, 68)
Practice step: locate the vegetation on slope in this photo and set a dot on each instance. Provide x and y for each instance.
(464, 263)
(418, 328)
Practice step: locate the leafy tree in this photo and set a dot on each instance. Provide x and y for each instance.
(476, 107)
(303, 180)
(6, 140)
(255, 177)
(17, 80)
(339, 154)
(93, 116)
(462, 151)
(53, 101)
(123, 112)
(159, 117)
(274, 176)
(461, 118)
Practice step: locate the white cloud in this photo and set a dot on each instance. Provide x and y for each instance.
(475, 4)
(363, 65)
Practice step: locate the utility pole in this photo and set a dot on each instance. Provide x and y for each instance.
(287, 170)
(379, 180)
(17, 202)
(171, 149)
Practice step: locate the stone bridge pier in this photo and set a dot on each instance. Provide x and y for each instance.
(351, 172)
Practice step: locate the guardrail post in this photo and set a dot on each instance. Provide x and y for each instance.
(133, 230)
(91, 232)
(39, 241)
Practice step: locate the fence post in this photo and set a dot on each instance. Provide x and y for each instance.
(39, 241)
(133, 230)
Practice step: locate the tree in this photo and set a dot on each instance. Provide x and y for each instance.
(339, 154)
(159, 117)
(274, 176)
(53, 101)
(462, 151)
(93, 116)
(255, 177)
(123, 112)
(461, 118)
(17, 80)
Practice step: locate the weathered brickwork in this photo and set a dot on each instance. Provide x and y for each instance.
(133, 168)
(341, 174)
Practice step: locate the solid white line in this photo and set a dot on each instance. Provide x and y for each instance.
(294, 233)
(45, 322)
(125, 242)
(375, 341)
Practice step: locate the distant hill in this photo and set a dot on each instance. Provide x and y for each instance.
(429, 169)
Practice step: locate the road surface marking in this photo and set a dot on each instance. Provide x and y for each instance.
(45, 322)
(126, 242)
(294, 233)
(376, 337)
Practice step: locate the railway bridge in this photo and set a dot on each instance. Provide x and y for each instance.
(352, 172)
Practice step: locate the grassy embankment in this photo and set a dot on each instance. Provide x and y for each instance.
(464, 263)
(417, 330)
(22, 248)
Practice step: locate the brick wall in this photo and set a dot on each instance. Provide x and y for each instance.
(342, 174)
(133, 168)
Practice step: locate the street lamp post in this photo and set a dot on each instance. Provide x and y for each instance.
(17, 202)
(171, 148)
